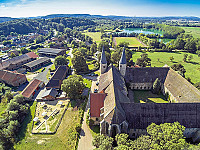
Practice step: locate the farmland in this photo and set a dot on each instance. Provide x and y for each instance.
(133, 42)
(159, 59)
(195, 31)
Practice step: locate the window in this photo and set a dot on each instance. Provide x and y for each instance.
(104, 66)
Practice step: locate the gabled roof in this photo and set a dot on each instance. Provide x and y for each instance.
(51, 51)
(113, 84)
(103, 57)
(57, 77)
(37, 62)
(51, 92)
(96, 103)
(30, 88)
(123, 57)
(32, 55)
(9, 77)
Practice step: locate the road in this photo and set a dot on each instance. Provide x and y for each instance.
(42, 76)
(85, 141)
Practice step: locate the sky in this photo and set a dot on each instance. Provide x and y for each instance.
(139, 8)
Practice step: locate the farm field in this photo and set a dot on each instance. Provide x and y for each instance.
(96, 36)
(195, 31)
(192, 68)
(133, 41)
(148, 97)
(65, 137)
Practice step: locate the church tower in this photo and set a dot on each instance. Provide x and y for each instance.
(122, 63)
(103, 62)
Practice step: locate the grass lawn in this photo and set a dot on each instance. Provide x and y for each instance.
(195, 31)
(148, 97)
(88, 82)
(96, 36)
(65, 137)
(70, 61)
(192, 68)
(133, 42)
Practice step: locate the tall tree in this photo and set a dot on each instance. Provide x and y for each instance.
(143, 61)
(73, 86)
(60, 60)
(79, 62)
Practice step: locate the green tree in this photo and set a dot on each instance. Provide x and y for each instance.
(198, 53)
(144, 142)
(60, 60)
(12, 55)
(179, 68)
(171, 58)
(79, 62)
(93, 48)
(102, 142)
(73, 86)
(185, 57)
(167, 136)
(190, 57)
(156, 86)
(105, 45)
(108, 57)
(143, 61)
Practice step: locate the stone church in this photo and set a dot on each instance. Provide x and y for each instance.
(114, 109)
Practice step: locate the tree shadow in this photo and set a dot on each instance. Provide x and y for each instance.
(194, 63)
(24, 125)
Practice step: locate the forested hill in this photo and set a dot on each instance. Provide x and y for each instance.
(24, 26)
(4, 19)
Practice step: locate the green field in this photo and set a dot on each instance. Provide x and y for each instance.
(148, 97)
(192, 68)
(195, 31)
(65, 137)
(133, 42)
(96, 36)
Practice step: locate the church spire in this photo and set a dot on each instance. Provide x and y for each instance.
(103, 57)
(122, 63)
(103, 62)
(123, 57)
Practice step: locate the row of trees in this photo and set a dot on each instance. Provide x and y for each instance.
(16, 111)
(164, 136)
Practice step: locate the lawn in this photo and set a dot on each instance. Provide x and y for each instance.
(148, 97)
(195, 31)
(87, 82)
(192, 68)
(133, 41)
(96, 36)
(65, 137)
(70, 61)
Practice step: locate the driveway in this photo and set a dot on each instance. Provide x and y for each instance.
(85, 141)
(42, 75)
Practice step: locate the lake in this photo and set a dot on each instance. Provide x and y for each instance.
(141, 30)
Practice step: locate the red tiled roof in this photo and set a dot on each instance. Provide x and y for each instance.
(32, 55)
(30, 88)
(96, 103)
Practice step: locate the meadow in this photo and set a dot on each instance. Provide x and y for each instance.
(195, 31)
(96, 36)
(159, 59)
(133, 41)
